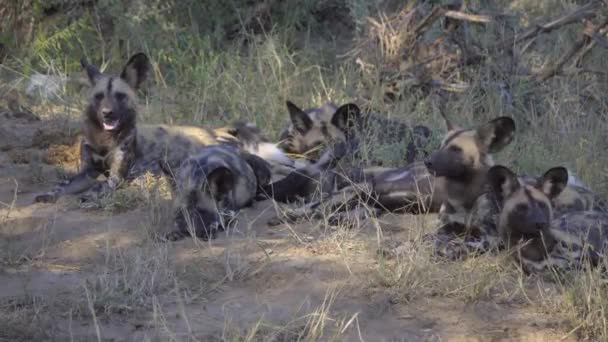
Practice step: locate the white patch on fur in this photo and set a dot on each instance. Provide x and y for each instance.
(398, 176)
(574, 180)
(538, 266)
(400, 194)
(564, 236)
(270, 151)
(489, 160)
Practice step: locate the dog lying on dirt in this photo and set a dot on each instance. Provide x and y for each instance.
(450, 180)
(210, 187)
(360, 132)
(538, 238)
(116, 147)
(468, 217)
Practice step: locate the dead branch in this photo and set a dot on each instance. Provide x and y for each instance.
(579, 45)
(475, 18)
(601, 41)
(444, 11)
(587, 11)
(429, 20)
(585, 51)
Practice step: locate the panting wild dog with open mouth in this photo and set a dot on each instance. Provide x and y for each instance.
(537, 238)
(116, 147)
(469, 215)
(210, 187)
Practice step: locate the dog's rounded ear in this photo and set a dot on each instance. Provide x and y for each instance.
(346, 116)
(92, 71)
(220, 182)
(554, 181)
(299, 119)
(496, 134)
(136, 70)
(503, 182)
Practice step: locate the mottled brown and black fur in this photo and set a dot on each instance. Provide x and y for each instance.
(460, 166)
(572, 198)
(253, 141)
(116, 147)
(410, 188)
(314, 128)
(209, 187)
(109, 146)
(527, 223)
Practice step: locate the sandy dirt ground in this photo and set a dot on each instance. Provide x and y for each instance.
(83, 274)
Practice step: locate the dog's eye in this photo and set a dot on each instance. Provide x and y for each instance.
(120, 96)
(455, 149)
(99, 96)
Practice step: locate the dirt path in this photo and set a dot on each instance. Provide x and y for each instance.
(68, 272)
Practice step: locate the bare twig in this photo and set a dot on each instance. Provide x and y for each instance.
(600, 40)
(579, 45)
(585, 51)
(436, 13)
(585, 12)
(475, 18)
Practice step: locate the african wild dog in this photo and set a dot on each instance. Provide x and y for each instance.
(469, 215)
(575, 197)
(340, 133)
(114, 146)
(312, 128)
(251, 140)
(460, 166)
(539, 239)
(209, 187)
(461, 163)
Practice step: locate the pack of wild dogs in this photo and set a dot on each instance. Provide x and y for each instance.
(544, 221)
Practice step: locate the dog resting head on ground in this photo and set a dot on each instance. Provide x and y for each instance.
(527, 224)
(575, 197)
(525, 210)
(208, 189)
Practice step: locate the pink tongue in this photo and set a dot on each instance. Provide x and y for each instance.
(109, 127)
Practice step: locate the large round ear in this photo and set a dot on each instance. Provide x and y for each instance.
(136, 70)
(345, 117)
(167, 171)
(554, 181)
(300, 120)
(92, 71)
(502, 181)
(220, 181)
(496, 134)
